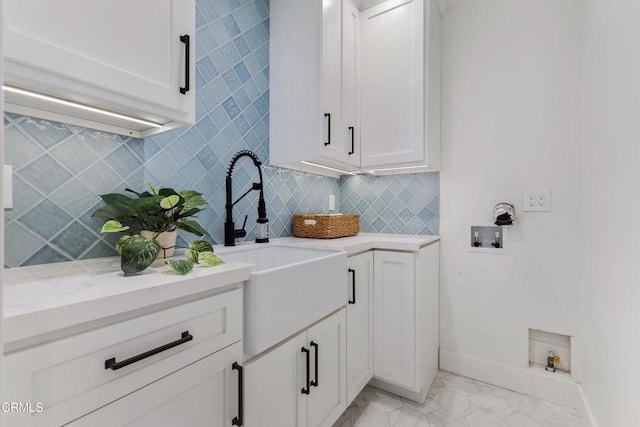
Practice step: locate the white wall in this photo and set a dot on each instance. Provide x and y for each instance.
(1, 179)
(611, 202)
(510, 121)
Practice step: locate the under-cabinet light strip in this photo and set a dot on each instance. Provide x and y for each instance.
(79, 106)
(397, 169)
(327, 167)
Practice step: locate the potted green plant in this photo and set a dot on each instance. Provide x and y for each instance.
(150, 221)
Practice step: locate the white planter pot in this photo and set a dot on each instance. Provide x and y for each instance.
(167, 240)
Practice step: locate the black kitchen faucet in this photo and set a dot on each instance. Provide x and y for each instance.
(262, 229)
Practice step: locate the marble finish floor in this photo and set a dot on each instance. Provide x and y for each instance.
(456, 401)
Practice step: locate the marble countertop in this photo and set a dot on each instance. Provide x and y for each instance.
(42, 299)
(45, 298)
(365, 242)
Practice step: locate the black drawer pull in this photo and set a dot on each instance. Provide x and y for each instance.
(187, 62)
(305, 390)
(113, 365)
(353, 131)
(316, 346)
(353, 286)
(238, 421)
(328, 116)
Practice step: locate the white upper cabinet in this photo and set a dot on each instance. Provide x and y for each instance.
(133, 58)
(355, 90)
(400, 89)
(310, 116)
(332, 138)
(351, 82)
(392, 87)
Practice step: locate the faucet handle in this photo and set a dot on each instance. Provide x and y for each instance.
(241, 232)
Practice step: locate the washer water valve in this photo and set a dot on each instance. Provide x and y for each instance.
(552, 360)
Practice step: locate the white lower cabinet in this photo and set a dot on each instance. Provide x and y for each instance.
(199, 395)
(359, 323)
(406, 320)
(394, 287)
(156, 366)
(302, 382)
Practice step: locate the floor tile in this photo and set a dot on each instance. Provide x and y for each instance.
(519, 420)
(460, 384)
(484, 419)
(560, 421)
(443, 418)
(529, 406)
(456, 401)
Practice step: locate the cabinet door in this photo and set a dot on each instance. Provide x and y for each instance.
(394, 317)
(129, 48)
(49, 372)
(327, 400)
(359, 323)
(350, 81)
(392, 100)
(273, 386)
(333, 140)
(203, 394)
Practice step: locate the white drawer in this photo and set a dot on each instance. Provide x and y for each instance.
(69, 378)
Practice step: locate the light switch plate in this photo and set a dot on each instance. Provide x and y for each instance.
(332, 202)
(536, 201)
(7, 187)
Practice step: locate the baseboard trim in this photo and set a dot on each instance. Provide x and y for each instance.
(532, 382)
(584, 410)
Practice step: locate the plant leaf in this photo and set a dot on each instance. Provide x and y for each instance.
(191, 255)
(210, 259)
(192, 199)
(201, 246)
(195, 247)
(190, 212)
(164, 192)
(106, 213)
(124, 241)
(138, 255)
(129, 190)
(169, 201)
(153, 189)
(116, 199)
(181, 266)
(149, 209)
(191, 226)
(113, 226)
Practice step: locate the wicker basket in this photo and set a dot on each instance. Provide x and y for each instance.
(325, 226)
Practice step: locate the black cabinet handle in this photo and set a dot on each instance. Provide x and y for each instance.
(328, 116)
(113, 365)
(352, 140)
(316, 347)
(187, 42)
(237, 421)
(308, 388)
(353, 286)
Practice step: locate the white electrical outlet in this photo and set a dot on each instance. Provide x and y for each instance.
(536, 201)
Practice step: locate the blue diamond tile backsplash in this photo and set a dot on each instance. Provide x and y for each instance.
(397, 204)
(60, 169)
